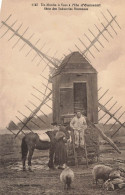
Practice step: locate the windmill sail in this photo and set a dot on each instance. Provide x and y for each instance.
(111, 115)
(34, 112)
(97, 38)
(54, 64)
(32, 46)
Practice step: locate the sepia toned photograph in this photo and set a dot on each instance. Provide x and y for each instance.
(62, 92)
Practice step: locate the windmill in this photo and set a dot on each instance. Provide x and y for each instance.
(57, 66)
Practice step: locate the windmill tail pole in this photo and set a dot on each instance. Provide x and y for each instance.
(104, 136)
(108, 140)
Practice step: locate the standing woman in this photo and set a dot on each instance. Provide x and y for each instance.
(60, 150)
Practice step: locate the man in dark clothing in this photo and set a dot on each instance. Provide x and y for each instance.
(60, 150)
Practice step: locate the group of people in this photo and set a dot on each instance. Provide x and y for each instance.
(78, 125)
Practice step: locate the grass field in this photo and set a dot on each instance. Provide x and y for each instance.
(44, 181)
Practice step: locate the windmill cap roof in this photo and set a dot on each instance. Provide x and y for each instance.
(76, 60)
(74, 57)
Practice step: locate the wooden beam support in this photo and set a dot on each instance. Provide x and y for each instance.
(103, 135)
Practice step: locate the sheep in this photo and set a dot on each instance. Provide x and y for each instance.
(118, 182)
(67, 177)
(108, 185)
(101, 172)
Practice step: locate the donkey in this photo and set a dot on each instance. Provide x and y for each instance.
(31, 141)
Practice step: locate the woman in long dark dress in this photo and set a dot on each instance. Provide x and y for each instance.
(60, 151)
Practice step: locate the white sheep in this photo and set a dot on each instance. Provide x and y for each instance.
(67, 177)
(101, 172)
(118, 182)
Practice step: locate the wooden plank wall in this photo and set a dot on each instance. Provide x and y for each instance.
(66, 80)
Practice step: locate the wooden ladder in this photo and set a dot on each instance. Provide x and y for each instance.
(75, 153)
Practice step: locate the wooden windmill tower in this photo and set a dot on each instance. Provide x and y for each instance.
(74, 86)
(72, 83)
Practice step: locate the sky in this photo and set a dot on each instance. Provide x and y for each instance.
(59, 32)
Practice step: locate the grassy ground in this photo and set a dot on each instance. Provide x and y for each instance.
(44, 181)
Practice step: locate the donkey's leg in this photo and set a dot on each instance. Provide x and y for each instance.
(24, 161)
(24, 150)
(31, 150)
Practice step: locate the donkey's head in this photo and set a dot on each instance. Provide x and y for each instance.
(65, 131)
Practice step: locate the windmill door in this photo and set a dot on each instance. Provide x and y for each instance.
(66, 101)
(80, 97)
